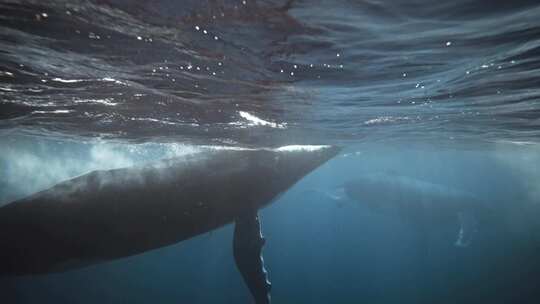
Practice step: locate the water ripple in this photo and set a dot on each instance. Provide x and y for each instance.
(271, 72)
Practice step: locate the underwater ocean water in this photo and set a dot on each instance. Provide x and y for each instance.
(435, 197)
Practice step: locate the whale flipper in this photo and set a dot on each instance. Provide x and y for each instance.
(247, 249)
(467, 228)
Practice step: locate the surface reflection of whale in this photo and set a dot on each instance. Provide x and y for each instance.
(418, 202)
(105, 215)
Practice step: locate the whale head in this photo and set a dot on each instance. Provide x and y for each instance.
(278, 169)
(368, 191)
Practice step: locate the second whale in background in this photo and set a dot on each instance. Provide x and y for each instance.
(418, 202)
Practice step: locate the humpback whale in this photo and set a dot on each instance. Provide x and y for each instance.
(417, 202)
(110, 214)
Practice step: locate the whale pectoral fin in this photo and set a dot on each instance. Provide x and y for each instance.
(247, 249)
(467, 228)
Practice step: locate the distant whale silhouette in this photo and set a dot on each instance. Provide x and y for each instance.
(105, 215)
(417, 202)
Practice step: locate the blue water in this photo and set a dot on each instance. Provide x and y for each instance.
(446, 93)
(318, 251)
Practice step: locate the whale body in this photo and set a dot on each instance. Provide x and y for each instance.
(110, 214)
(418, 202)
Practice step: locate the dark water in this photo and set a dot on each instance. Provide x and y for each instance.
(447, 93)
